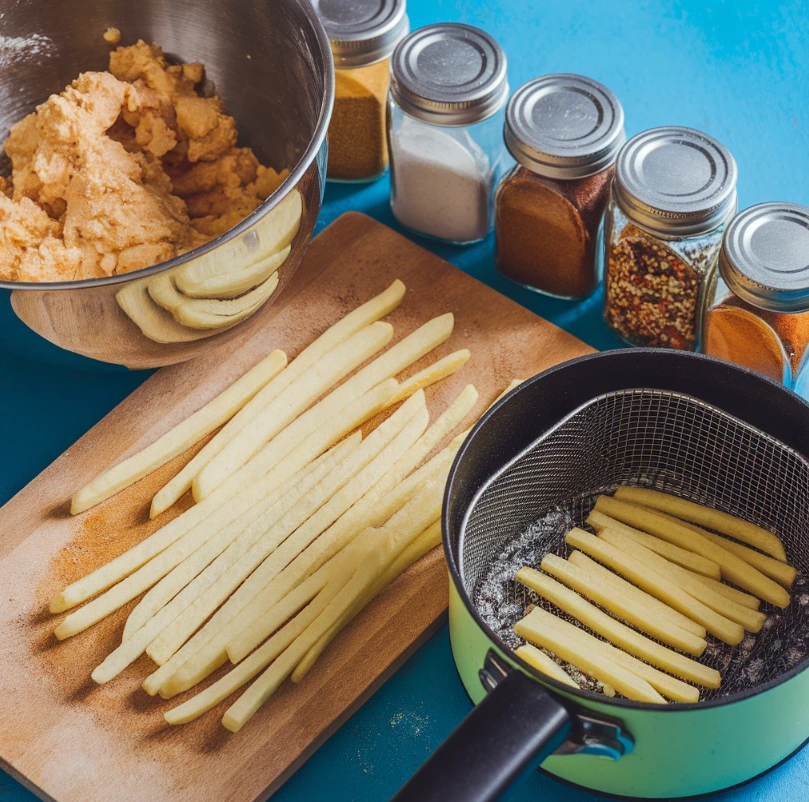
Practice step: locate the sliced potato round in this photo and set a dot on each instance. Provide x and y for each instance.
(269, 235)
(153, 321)
(199, 313)
(163, 291)
(231, 285)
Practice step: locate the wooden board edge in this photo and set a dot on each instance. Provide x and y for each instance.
(349, 711)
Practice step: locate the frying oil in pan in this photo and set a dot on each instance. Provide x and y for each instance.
(501, 601)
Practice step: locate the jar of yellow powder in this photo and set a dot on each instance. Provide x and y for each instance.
(362, 34)
(758, 313)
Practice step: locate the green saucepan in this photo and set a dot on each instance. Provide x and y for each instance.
(529, 471)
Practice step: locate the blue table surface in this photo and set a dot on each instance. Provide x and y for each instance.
(736, 69)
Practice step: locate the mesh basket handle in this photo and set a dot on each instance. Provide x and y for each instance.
(516, 726)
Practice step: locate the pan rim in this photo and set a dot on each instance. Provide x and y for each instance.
(568, 691)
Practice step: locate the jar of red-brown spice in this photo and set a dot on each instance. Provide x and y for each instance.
(363, 34)
(565, 132)
(758, 316)
(673, 194)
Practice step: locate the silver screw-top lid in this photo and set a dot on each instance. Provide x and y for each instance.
(765, 256)
(564, 126)
(449, 74)
(362, 32)
(676, 181)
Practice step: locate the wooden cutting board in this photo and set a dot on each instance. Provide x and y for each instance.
(70, 740)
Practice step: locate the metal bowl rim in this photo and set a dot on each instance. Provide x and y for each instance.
(295, 175)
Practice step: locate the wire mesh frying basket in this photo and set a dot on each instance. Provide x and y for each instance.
(648, 438)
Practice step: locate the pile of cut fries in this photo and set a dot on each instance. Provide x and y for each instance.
(650, 583)
(299, 521)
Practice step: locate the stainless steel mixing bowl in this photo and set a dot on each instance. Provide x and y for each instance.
(269, 60)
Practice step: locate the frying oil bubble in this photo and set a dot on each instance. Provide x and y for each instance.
(781, 645)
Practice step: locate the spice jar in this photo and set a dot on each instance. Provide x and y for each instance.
(565, 132)
(758, 316)
(447, 96)
(673, 193)
(362, 35)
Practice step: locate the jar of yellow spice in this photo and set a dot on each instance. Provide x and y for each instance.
(758, 315)
(362, 34)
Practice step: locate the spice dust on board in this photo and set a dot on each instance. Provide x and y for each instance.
(101, 534)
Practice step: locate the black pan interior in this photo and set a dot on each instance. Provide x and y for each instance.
(526, 512)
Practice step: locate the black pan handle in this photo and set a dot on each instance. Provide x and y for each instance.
(513, 729)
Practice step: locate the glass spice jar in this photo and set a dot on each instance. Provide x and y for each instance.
(565, 132)
(673, 193)
(758, 316)
(447, 97)
(362, 35)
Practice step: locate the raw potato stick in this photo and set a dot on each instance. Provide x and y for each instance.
(296, 399)
(374, 508)
(541, 662)
(648, 602)
(600, 521)
(751, 620)
(627, 639)
(424, 543)
(282, 641)
(363, 316)
(363, 514)
(668, 686)
(157, 568)
(706, 516)
(304, 522)
(296, 600)
(652, 582)
(395, 536)
(245, 671)
(209, 639)
(361, 410)
(263, 625)
(733, 568)
(134, 558)
(250, 623)
(136, 643)
(615, 602)
(225, 547)
(783, 573)
(244, 449)
(201, 522)
(190, 568)
(431, 374)
(180, 437)
(412, 519)
(330, 513)
(738, 596)
(513, 385)
(687, 559)
(544, 629)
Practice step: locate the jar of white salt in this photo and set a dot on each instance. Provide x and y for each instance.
(447, 101)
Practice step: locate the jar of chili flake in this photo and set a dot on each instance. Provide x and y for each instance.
(565, 132)
(758, 316)
(362, 35)
(673, 194)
